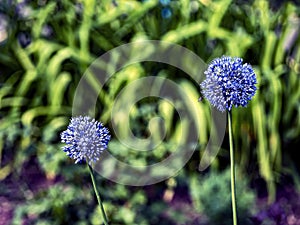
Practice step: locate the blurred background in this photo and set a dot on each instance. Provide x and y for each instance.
(46, 46)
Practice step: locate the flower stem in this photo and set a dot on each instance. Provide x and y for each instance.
(232, 172)
(98, 196)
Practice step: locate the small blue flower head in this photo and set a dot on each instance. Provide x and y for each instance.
(165, 2)
(166, 13)
(229, 82)
(86, 139)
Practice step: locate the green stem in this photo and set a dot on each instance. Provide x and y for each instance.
(232, 172)
(98, 196)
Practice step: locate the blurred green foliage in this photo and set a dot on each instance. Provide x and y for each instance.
(211, 195)
(46, 46)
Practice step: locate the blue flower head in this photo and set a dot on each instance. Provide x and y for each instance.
(166, 13)
(165, 2)
(85, 139)
(228, 82)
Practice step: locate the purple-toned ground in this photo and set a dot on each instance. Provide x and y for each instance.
(284, 211)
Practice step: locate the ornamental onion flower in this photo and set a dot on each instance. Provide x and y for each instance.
(165, 2)
(85, 139)
(228, 83)
(166, 12)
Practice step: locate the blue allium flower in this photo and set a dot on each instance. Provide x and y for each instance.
(24, 39)
(228, 82)
(165, 2)
(86, 139)
(3, 28)
(23, 10)
(166, 12)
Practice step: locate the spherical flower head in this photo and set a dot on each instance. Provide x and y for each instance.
(165, 2)
(85, 139)
(229, 83)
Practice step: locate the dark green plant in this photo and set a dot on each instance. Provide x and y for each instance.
(55, 205)
(211, 195)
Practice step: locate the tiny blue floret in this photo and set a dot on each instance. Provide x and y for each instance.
(85, 139)
(165, 2)
(166, 13)
(229, 83)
